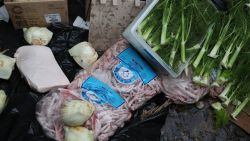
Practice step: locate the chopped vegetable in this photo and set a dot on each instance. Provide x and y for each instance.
(3, 100)
(185, 31)
(217, 106)
(174, 49)
(221, 115)
(235, 55)
(225, 59)
(204, 46)
(240, 107)
(221, 39)
(84, 54)
(76, 112)
(165, 21)
(7, 65)
(37, 35)
(78, 134)
(187, 35)
(224, 95)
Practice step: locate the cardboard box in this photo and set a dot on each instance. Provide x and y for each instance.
(37, 13)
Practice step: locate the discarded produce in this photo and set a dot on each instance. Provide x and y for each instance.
(210, 42)
(37, 35)
(221, 115)
(175, 30)
(84, 54)
(3, 100)
(76, 112)
(39, 67)
(78, 134)
(7, 65)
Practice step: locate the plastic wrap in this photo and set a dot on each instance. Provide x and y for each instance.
(182, 90)
(126, 72)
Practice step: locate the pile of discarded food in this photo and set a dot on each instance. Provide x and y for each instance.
(104, 95)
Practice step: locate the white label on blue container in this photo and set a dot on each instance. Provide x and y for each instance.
(99, 93)
(132, 67)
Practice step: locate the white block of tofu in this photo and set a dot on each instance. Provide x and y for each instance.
(39, 67)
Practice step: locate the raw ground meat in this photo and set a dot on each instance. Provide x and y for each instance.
(182, 90)
(104, 121)
(48, 112)
(135, 94)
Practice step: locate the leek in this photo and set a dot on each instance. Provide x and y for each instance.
(224, 61)
(240, 108)
(185, 34)
(165, 21)
(224, 95)
(222, 36)
(204, 47)
(174, 49)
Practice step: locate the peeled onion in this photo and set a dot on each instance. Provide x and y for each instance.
(78, 134)
(84, 54)
(76, 112)
(37, 35)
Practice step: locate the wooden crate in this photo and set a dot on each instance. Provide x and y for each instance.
(109, 18)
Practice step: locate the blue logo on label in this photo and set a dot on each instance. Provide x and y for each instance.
(99, 93)
(124, 74)
(133, 61)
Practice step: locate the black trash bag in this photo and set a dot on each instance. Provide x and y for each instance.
(178, 123)
(76, 8)
(64, 38)
(189, 123)
(142, 127)
(18, 122)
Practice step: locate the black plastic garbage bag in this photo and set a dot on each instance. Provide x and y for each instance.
(64, 38)
(178, 123)
(189, 123)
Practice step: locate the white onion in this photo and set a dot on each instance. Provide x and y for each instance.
(78, 134)
(37, 35)
(76, 112)
(3, 98)
(6, 66)
(84, 54)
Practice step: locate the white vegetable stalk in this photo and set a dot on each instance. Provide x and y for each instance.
(223, 96)
(76, 112)
(78, 134)
(84, 54)
(37, 35)
(6, 66)
(3, 98)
